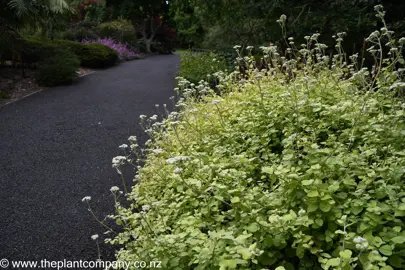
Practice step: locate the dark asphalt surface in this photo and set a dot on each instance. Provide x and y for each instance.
(56, 147)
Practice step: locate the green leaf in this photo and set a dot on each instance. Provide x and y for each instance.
(401, 207)
(319, 222)
(346, 254)
(334, 187)
(241, 238)
(325, 206)
(307, 182)
(398, 239)
(280, 268)
(254, 227)
(333, 262)
(268, 170)
(293, 214)
(312, 207)
(396, 261)
(356, 209)
(397, 229)
(227, 264)
(313, 193)
(235, 200)
(386, 250)
(246, 254)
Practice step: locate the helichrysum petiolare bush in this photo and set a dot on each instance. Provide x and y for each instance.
(299, 166)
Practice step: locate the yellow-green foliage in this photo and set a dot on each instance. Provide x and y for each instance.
(300, 166)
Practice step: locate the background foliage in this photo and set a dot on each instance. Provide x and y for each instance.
(221, 24)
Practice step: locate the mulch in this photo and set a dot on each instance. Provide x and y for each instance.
(13, 86)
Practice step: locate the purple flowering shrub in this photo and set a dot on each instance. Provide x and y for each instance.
(123, 50)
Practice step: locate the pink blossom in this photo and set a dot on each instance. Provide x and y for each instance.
(123, 50)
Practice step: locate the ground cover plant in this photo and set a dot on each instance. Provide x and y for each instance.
(296, 166)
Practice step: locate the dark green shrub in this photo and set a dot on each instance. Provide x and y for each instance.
(59, 69)
(28, 50)
(92, 55)
(195, 66)
(120, 30)
(34, 50)
(75, 47)
(97, 55)
(81, 31)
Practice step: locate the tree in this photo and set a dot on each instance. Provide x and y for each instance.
(17, 14)
(253, 22)
(146, 15)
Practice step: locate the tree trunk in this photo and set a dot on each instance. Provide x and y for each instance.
(148, 43)
(152, 31)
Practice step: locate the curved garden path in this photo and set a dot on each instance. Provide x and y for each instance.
(56, 147)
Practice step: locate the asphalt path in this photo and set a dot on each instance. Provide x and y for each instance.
(56, 147)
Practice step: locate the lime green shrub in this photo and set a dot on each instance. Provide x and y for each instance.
(299, 166)
(195, 66)
(59, 69)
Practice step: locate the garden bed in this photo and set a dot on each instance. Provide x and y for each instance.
(13, 86)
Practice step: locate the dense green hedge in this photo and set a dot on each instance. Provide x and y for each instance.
(58, 69)
(34, 50)
(92, 55)
(299, 166)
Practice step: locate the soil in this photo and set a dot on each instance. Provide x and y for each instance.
(14, 86)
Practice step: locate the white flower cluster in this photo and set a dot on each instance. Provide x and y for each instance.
(216, 101)
(174, 160)
(117, 162)
(132, 139)
(114, 189)
(360, 75)
(282, 20)
(361, 243)
(374, 36)
(397, 85)
(145, 208)
(157, 151)
(123, 146)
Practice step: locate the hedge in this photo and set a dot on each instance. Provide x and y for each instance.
(58, 69)
(92, 55)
